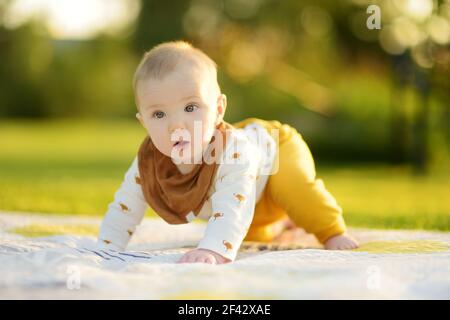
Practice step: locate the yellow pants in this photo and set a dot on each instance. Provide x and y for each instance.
(293, 191)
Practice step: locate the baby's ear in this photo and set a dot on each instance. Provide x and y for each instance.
(222, 104)
(139, 117)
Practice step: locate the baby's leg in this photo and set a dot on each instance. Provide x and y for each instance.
(288, 233)
(267, 220)
(306, 200)
(341, 242)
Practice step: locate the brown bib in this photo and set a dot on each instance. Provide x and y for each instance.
(171, 194)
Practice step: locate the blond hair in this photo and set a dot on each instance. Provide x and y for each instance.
(165, 57)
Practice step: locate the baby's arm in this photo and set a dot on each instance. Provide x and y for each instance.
(233, 204)
(124, 213)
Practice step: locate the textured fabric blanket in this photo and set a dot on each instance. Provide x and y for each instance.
(55, 257)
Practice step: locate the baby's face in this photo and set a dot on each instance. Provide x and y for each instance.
(168, 109)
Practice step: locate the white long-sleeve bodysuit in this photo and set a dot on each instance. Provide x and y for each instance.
(240, 179)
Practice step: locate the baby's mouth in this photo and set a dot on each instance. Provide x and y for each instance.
(180, 143)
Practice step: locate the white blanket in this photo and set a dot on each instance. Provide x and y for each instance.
(389, 265)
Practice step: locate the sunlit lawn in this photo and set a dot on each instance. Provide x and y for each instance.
(75, 167)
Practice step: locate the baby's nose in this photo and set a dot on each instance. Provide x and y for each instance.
(180, 132)
(177, 124)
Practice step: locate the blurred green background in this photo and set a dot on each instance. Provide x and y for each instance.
(373, 104)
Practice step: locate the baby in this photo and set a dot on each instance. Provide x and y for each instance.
(247, 179)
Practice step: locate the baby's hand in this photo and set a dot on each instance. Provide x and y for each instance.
(203, 255)
(341, 242)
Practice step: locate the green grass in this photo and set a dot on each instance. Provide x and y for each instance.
(74, 168)
(65, 167)
(44, 230)
(405, 246)
(390, 197)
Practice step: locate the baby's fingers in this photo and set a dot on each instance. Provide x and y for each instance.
(206, 259)
(185, 258)
(198, 257)
(182, 259)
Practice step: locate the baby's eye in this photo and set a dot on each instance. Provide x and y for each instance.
(158, 114)
(190, 108)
